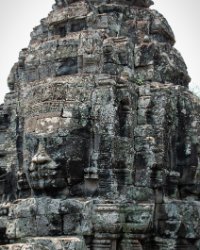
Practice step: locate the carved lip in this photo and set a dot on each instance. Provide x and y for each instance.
(48, 171)
(43, 167)
(47, 178)
(44, 174)
(48, 183)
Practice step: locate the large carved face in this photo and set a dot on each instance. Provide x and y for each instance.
(70, 133)
(56, 139)
(56, 161)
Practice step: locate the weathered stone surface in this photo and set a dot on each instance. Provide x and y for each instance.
(99, 134)
(48, 243)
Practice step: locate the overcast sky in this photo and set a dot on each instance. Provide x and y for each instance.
(18, 17)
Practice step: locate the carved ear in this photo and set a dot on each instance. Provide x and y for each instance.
(122, 113)
(75, 172)
(125, 104)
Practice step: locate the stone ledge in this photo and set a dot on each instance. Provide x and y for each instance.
(48, 243)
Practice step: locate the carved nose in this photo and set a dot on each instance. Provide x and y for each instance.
(41, 156)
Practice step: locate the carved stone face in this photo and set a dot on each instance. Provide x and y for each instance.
(56, 135)
(60, 120)
(71, 131)
(55, 157)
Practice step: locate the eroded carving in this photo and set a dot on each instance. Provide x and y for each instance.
(99, 135)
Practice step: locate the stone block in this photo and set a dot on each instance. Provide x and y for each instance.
(26, 227)
(99, 135)
(138, 218)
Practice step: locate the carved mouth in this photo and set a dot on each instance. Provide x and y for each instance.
(43, 177)
(44, 173)
(48, 184)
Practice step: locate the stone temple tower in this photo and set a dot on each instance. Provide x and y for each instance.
(99, 135)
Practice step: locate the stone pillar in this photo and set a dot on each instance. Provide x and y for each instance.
(129, 242)
(162, 244)
(105, 241)
(107, 225)
(101, 244)
(184, 245)
(137, 226)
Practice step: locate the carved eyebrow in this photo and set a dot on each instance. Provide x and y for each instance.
(50, 125)
(83, 132)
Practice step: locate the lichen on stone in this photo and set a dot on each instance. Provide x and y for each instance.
(99, 134)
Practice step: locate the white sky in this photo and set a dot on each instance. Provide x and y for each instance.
(18, 17)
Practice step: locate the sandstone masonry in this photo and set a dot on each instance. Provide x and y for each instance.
(99, 135)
